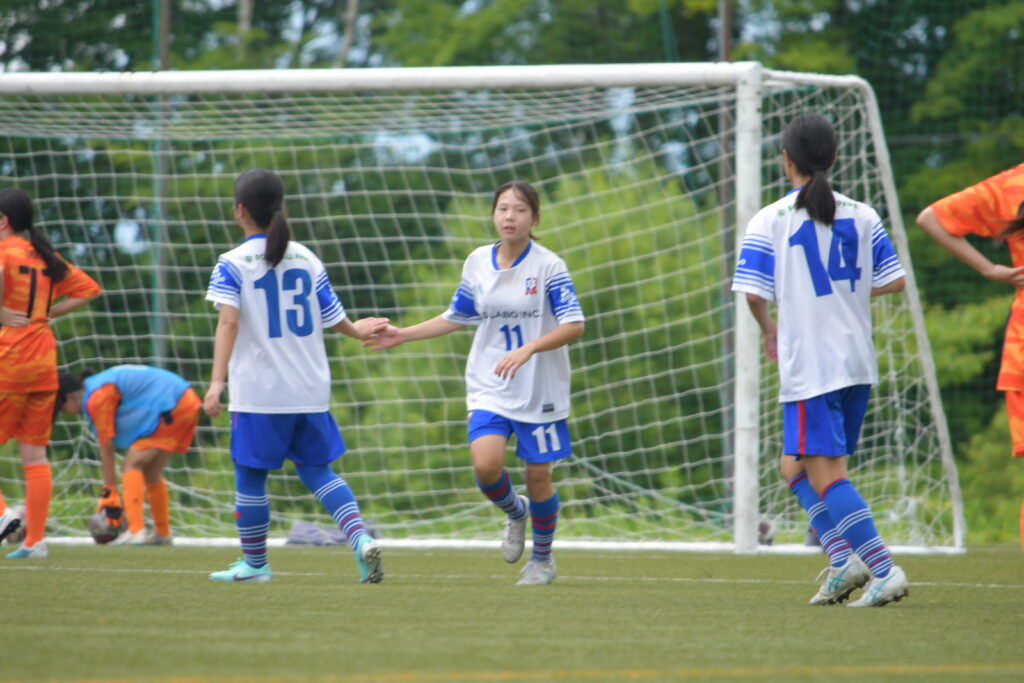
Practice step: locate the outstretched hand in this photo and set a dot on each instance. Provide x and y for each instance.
(368, 328)
(389, 337)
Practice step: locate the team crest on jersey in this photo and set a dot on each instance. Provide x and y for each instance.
(531, 285)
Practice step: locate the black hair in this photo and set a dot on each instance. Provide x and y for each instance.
(17, 206)
(810, 142)
(68, 384)
(1014, 226)
(262, 194)
(523, 190)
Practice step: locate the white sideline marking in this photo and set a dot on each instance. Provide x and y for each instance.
(616, 546)
(624, 579)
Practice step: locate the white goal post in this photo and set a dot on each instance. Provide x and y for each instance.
(648, 175)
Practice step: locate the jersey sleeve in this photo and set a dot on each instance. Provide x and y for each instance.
(755, 267)
(975, 210)
(331, 310)
(77, 284)
(561, 292)
(887, 266)
(225, 285)
(462, 309)
(102, 411)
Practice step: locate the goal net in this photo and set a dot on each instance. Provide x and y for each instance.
(645, 172)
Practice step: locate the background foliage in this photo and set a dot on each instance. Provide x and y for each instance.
(949, 75)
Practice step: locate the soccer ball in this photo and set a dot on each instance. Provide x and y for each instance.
(102, 532)
(766, 531)
(18, 536)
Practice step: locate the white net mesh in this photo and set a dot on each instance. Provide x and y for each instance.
(392, 190)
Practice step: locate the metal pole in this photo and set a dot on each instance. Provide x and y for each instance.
(158, 228)
(746, 501)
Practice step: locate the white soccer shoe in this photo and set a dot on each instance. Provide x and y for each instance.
(9, 522)
(36, 552)
(893, 587)
(129, 538)
(513, 538)
(838, 582)
(153, 538)
(537, 573)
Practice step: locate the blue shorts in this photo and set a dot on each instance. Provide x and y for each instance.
(825, 425)
(263, 441)
(535, 442)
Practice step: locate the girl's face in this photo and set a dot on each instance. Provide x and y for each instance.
(513, 217)
(73, 402)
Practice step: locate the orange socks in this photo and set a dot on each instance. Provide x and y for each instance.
(38, 489)
(133, 484)
(3, 504)
(159, 507)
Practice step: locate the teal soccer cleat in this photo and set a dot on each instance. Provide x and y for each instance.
(242, 571)
(368, 557)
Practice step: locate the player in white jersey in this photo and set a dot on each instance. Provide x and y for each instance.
(821, 256)
(521, 299)
(274, 300)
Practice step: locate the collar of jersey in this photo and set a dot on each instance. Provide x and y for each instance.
(257, 236)
(795, 189)
(494, 255)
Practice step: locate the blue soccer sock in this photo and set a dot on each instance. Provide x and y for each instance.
(544, 517)
(334, 494)
(504, 496)
(252, 513)
(834, 545)
(857, 526)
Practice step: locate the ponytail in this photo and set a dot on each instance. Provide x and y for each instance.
(17, 206)
(810, 143)
(816, 196)
(278, 236)
(262, 194)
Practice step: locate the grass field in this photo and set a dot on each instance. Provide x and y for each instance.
(102, 613)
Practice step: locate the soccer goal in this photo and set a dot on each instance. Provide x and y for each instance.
(648, 175)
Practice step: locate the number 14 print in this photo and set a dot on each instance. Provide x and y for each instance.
(842, 254)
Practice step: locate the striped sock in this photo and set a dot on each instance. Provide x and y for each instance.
(544, 516)
(857, 526)
(504, 496)
(335, 495)
(834, 545)
(252, 513)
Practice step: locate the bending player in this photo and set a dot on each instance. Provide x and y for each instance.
(523, 303)
(150, 413)
(32, 276)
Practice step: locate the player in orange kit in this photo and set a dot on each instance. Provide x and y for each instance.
(151, 414)
(992, 208)
(32, 277)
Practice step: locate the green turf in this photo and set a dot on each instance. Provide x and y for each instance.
(101, 613)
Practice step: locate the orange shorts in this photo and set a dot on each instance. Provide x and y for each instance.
(27, 417)
(1015, 413)
(175, 436)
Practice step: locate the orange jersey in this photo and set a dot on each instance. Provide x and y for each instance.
(985, 209)
(28, 355)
